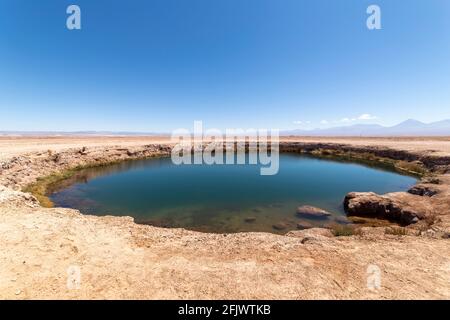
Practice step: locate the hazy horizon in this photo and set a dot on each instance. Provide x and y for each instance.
(316, 131)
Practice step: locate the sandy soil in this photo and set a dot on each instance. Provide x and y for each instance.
(13, 146)
(60, 253)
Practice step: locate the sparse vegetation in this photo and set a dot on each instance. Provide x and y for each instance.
(396, 231)
(370, 159)
(345, 230)
(40, 187)
(411, 167)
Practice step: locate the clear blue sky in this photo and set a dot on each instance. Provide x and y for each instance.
(157, 65)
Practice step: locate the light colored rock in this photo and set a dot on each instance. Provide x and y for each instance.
(312, 212)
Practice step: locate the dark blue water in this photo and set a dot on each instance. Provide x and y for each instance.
(222, 198)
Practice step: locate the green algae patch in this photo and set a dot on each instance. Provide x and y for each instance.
(411, 166)
(39, 189)
(415, 168)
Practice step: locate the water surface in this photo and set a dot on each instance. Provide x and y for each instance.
(223, 198)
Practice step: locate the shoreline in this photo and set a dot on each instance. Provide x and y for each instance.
(17, 206)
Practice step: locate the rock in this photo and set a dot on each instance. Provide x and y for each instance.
(365, 204)
(424, 190)
(83, 151)
(307, 239)
(5, 165)
(312, 212)
(304, 225)
(130, 153)
(400, 207)
(280, 226)
(57, 158)
(250, 219)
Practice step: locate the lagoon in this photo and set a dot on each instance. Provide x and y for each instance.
(223, 198)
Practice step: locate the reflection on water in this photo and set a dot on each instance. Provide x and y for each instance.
(223, 198)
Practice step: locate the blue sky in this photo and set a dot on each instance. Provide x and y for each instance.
(158, 65)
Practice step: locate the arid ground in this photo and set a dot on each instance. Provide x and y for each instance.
(60, 253)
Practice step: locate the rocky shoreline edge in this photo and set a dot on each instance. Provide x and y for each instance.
(425, 208)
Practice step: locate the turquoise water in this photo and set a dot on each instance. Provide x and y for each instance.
(223, 198)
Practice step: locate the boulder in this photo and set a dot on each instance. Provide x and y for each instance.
(312, 212)
(427, 190)
(398, 206)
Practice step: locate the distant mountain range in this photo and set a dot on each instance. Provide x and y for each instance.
(409, 127)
